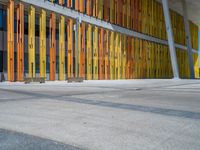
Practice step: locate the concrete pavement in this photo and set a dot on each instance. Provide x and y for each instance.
(105, 115)
(11, 140)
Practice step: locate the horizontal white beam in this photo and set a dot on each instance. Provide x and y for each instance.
(44, 4)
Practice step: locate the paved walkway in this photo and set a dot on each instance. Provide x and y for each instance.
(101, 115)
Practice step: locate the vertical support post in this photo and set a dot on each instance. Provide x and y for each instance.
(20, 42)
(31, 42)
(10, 40)
(61, 48)
(52, 42)
(43, 44)
(188, 39)
(170, 39)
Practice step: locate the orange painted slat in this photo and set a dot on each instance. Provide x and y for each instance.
(115, 11)
(70, 48)
(81, 6)
(106, 10)
(20, 42)
(88, 7)
(77, 5)
(119, 12)
(61, 2)
(52, 31)
(69, 3)
(128, 12)
(132, 14)
(10, 40)
(136, 15)
(124, 12)
(140, 16)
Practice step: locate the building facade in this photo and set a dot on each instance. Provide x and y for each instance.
(37, 41)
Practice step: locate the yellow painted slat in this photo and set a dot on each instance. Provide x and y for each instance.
(107, 62)
(31, 42)
(124, 53)
(116, 51)
(89, 52)
(43, 44)
(95, 53)
(120, 57)
(112, 56)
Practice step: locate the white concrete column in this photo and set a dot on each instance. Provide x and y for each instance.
(188, 39)
(170, 39)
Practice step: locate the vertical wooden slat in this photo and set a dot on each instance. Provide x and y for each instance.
(10, 40)
(43, 44)
(89, 52)
(95, 53)
(101, 55)
(20, 42)
(61, 48)
(82, 52)
(31, 42)
(70, 48)
(52, 41)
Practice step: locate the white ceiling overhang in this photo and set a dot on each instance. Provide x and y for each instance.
(193, 7)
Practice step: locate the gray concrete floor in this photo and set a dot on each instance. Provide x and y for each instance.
(11, 140)
(102, 115)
